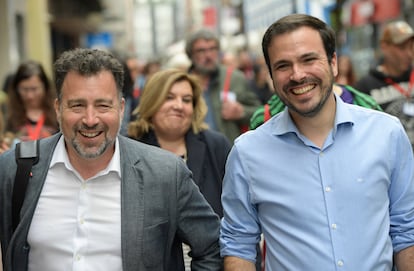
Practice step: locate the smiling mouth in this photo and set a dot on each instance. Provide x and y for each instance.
(176, 115)
(90, 134)
(302, 90)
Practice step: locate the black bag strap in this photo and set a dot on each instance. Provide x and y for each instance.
(27, 155)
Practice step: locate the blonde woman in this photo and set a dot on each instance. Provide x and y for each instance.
(171, 115)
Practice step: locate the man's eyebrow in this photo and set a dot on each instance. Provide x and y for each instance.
(73, 101)
(103, 101)
(80, 100)
(310, 54)
(306, 55)
(280, 62)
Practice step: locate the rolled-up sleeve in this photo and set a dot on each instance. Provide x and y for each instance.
(401, 194)
(240, 230)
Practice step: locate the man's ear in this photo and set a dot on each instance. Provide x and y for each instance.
(334, 64)
(57, 109)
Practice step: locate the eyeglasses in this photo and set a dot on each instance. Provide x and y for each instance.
(202, 51)
(23, 90)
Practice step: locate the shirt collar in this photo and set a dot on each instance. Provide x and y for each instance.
(286, 125)
(60, 156)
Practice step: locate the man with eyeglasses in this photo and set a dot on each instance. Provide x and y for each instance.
(230, 102)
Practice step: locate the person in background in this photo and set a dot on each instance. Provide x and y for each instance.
(127, 90)
(261, 82)
(229, 59)
(6, 138)
(171, 116)
(136, 69)
(135, 66)
(246, 63)
(3, 92)
(346, 74)
(150, 67)
(30, 113)
(98, 200)
(229, 100)
(4, 144)
(391, 83)
(1, 127)
(329, 184)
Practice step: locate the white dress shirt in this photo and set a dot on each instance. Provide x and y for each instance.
(77, 223)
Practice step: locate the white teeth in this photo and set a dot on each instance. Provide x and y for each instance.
(89, 134)
(303, 89)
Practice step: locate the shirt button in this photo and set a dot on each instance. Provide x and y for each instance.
(333, 226)
(328, 189)
(340, 263)
(78, 257)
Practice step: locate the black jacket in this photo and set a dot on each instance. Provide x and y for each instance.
(206, 157)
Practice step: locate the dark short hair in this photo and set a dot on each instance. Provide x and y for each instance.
(202, 34)
(292, 22)
(87, 62)
(28, 69)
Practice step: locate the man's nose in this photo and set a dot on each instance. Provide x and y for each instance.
(297, 73)
(91, 117)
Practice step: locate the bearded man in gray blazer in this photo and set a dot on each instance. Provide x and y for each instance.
(97, 200)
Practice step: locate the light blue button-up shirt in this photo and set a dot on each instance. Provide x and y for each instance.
(348, 206)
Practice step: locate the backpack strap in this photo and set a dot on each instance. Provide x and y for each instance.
(27, 155)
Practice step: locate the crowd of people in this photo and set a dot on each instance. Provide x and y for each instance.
(149, 167)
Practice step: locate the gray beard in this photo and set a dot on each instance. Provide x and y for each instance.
(206, 71)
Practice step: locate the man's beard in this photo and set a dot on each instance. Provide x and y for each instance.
(85, 153)
(326, 91)
(206, 70)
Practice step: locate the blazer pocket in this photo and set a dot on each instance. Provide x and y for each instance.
(155, 242)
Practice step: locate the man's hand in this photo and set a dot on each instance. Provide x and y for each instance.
(232, 263)
(404, 260)
(4, 145)
(232, 110)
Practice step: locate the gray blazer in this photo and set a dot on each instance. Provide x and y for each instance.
(160, 207)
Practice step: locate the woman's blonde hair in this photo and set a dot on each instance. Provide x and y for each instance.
(154, 95)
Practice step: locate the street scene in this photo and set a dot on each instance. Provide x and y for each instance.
(207, 135)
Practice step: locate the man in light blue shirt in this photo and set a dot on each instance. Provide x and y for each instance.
(330, 185)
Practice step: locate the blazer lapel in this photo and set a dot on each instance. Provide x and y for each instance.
(132, 207)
